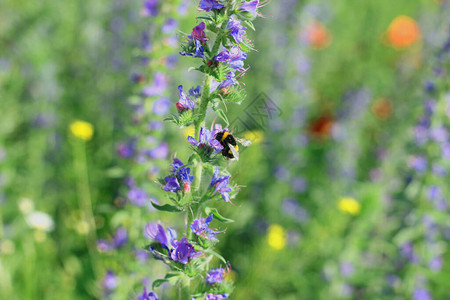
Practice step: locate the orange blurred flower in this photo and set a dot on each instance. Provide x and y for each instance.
(403, 32)
(382, 108)
(321, 128)
(317, 35)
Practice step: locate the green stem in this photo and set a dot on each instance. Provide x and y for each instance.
(185, 289)
(85, 202)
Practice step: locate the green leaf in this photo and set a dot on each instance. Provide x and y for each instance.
(165, 207)
(219, 217)
(250, 24)
(210, 251)
(173, 277)
(158, 282)
(222, 114)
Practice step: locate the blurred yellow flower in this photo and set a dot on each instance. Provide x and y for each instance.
(188, 131)
(26, 206)
(82, 130)
(254, 136)
(7, 247)
(276, 237)
(349, 205)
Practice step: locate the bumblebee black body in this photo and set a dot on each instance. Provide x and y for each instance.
(225, 139)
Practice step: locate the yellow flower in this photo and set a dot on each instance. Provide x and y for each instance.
(189, 131)
(82, 130)
(255, 136)
(276, 237)
(349, 205)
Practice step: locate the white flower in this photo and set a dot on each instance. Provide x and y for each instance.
(40, 221)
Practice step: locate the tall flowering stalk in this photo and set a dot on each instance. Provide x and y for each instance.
(219, 44)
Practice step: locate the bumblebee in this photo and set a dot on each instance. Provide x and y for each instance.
(229, 143)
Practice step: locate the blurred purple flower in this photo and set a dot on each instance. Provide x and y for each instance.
(292, 208)
(299, 184)
(161, 106)
(418, 163)
(159, 152)
(148, 296)
(109, 281)
(407, 250)
(150, 8)
(137, 196)
(346, 269)
(421, 294)
(126, 150)
(169, 26)
(436, 264)
(158, 86)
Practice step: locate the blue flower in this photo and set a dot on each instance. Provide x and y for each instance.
(157, 233)
(195, 92)
(237, 31)
(211, 296)
(250, 7)
(120, 238)
(200, 227)
(172, 184)
(158, 86)
(148, 296)
(234, 58)
(229, 81)
(215, 275)
(184, 103)
(221, 185)
(208, 5)
(176, 165)
(207, 139)
(186, 179)
(183, 251)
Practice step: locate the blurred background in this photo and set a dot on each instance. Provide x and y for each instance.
(345, 190)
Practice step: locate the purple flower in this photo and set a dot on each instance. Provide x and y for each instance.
(208, 5)
(169, 26)
(109, 281)
(150, 8)
(250, 7)
(195, 92)
(126, 150)
(407, 250)
(120, 238)
(211, 296)
(436, 264)
(421, 294)
(194, 48)
(200, 227)
(346, 269)
(157, 233)
(215, 276)
(176, 165)
(159, 152)
(148, 296)
(104, 245)
(221, 185)
(161, 106)
(198, 33)
(291, 207)
(172, 184)
(234, 57)
(158, 86)
(237, 31)
(186, 179)
(418, 163)
(184, 103)
(229, 81)
(207, 139)
(137, 196)
(183, 251)
(299, 184)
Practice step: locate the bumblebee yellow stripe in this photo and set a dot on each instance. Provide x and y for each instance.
(225, 134)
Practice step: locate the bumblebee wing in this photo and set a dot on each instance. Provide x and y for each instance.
(234, 151)
(243, 142)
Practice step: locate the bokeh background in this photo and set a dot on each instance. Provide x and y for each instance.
(345, 190)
